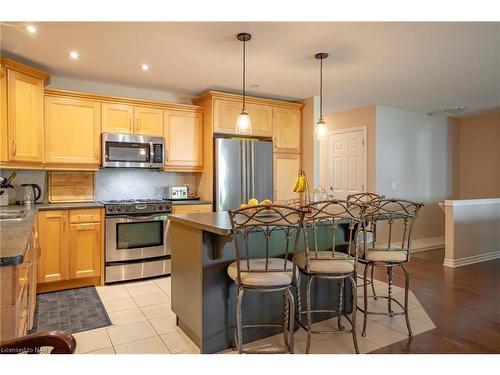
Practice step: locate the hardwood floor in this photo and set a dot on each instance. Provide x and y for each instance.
(464, 304)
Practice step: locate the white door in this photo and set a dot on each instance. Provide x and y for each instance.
(347, 163)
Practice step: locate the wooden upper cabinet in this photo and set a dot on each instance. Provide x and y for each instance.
(85, 250)
(183, 141)
(25, 117)
(148, 121)
(226, 114)
(72, 133)
(286, 167)
(286, 130)
(117, 118)
(53, 239)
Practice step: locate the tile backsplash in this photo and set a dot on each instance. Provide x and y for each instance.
(113, 183)
(139, 184)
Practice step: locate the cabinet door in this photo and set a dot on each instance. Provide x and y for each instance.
(286, 130)
(117, 118)
(85, 250)
(72, 131)
(148, 121)
(53, 237)
(286, 167)
(184, 141)
(226, 114)
(25, 117)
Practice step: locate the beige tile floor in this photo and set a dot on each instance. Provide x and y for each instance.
(143, 323)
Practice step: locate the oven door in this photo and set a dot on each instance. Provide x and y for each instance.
(136, 237)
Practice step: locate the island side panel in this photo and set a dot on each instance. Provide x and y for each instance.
(187, 291)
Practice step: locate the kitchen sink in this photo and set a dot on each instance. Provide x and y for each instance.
(13, 214)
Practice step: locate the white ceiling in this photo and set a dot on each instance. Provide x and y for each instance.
(416, 66)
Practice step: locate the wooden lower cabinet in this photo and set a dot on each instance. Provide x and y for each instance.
(84, 250)
(71, 248)
(191, 208)
(18, 293)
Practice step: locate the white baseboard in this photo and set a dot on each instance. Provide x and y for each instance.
(424, 244)
(471, 260)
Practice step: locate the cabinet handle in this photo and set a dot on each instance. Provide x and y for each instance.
(138, 124)
(14, 147)
(130, 124)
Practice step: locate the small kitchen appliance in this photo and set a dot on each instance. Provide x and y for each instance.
(132, 151)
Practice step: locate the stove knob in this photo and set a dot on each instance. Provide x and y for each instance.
(111, 209)
(160, 207)
(118, 209)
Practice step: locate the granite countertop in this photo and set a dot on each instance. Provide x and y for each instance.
(215, 222)
(190, 201)
(15, 235)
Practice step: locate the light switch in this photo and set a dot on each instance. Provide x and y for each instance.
(393, 185)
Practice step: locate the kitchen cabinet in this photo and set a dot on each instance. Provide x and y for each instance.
(53, 226)
(148, 121)
(286, 130)
(286, 167)
(226, 114)
(71, 246)
(129, 119)
(191, 208)
(117, 118)
(21, 117)
(18, 297)
(183, 141)
(85, 250)
(72, 133)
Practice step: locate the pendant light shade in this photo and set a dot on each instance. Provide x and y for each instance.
(321, 127)
(243, 123)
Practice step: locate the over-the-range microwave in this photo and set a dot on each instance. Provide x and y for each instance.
(132, 151)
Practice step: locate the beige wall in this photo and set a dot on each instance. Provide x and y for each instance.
(350, 119)
(477, 157)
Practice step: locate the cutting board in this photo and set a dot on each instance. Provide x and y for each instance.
(64, 187)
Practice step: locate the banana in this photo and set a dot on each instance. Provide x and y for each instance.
(297, 182)
(302, 185)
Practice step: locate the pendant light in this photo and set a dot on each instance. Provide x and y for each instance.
(243, 124)
(321, 128)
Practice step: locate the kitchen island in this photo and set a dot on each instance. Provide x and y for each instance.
(203, 295)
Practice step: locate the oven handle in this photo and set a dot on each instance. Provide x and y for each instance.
(140, 217)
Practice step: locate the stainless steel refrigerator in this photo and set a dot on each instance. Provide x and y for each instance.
(243, 170)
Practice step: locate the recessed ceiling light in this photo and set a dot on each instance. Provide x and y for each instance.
(73, 55)
(31, 29)
(145, 67)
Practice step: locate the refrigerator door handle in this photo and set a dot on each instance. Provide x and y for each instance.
(244, 171)
(251, 177)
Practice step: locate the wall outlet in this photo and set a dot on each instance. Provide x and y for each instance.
(393, 185)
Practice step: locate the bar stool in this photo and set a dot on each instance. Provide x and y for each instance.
(325, 262)
(264, 237)
(398, 217)
(369, 231)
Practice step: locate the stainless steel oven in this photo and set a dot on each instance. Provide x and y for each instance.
(137, 240)
(132, 151)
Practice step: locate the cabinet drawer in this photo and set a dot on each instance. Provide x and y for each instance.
(85, 216)
(191, 208)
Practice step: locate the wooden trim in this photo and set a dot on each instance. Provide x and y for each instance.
(68, 284)
(70, 167)
(123, 100)
(21, 165)
(23, 68)
(183, 169)
(248, 99)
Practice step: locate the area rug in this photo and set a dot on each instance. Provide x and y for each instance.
(73, 311)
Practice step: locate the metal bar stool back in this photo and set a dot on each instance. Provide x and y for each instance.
(265, 237)
(369, 230)
(394, 220)
(336, 260)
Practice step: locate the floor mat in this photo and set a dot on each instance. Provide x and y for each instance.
(73, 311)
